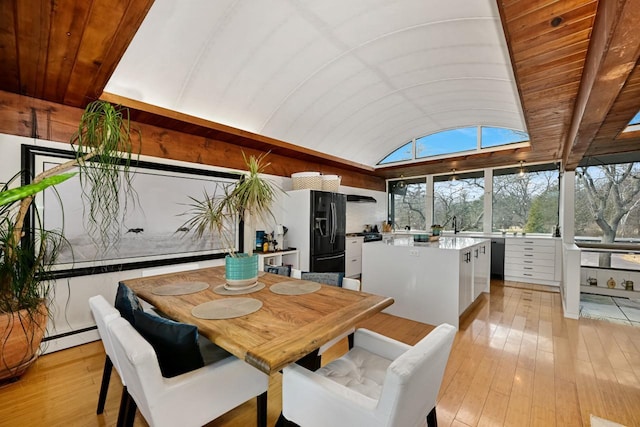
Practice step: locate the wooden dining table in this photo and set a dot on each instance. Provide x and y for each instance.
(284, 330)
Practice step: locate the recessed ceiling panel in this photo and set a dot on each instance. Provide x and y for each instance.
(352, 79)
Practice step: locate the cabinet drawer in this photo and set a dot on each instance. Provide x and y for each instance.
(353, 266)
(531, 252)
(520, 269)
(353, 246)
(530, 260)
(530, 242)
(509, 275)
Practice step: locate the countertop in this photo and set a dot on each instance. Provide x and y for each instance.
(445, 242)
(472, 234)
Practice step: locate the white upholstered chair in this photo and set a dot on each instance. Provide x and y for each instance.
(354, 285)
(296, 274)
(190, 399)
(380, 382)
(104, 313)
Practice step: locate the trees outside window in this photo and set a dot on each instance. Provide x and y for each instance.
(407, 203)
(462, 198)
(526, 200)
(607, 204)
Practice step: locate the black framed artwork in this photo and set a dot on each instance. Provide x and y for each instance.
(151, 222)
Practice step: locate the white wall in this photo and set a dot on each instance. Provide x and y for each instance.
(70, 310)
(359, 214)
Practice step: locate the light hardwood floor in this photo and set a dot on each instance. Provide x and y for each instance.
(516, 361)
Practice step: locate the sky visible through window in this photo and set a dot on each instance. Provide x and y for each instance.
(492, 137)
(456, 141)
(446, 142)
(402, 153)
(635, 120)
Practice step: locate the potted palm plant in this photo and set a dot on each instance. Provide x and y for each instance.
(250, 199)
(103, 136)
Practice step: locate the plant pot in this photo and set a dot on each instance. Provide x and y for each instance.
(241, 271)
(21, 333)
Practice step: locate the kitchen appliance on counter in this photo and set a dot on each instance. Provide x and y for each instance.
(317, 221)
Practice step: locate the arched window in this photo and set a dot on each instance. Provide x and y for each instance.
(403, 153)
(453, 141)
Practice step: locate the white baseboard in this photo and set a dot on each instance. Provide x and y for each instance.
(69, 341)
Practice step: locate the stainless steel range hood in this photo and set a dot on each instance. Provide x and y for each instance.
(360, 199)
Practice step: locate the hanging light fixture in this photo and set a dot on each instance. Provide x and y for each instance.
(454, 177)
(521, 174)
(401, 184)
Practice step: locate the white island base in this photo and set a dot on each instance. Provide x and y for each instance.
(431, 283)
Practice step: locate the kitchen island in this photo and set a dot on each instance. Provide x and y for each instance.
(431, 282)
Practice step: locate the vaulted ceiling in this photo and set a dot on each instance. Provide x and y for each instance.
(342, 82)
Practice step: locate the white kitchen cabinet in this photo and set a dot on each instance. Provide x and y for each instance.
(353, 256)
(465, 296)
(481, 269)
(291, 258)
(532, 260)
(430, 282)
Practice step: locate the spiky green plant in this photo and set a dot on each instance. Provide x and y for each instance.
(250, 199)
(25, 265)
(104, 154)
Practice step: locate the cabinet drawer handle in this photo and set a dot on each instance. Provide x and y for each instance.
(529, 241)
(527, 274)
(528, 249)
(528, 262)
(528, 254)
(528, 268)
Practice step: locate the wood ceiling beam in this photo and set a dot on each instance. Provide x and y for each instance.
(201, 127)
(613, 52)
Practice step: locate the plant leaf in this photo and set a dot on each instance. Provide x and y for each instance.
(22, 192)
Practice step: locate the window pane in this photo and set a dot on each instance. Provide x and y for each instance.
(407, 207)
(635, 120)
(402, 153)
(526, 203)
(492, 137)
(607, 203)
(462, 199)
(449, 141)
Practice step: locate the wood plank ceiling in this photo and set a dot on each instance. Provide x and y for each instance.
(64, 51)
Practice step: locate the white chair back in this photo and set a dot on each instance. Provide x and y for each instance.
(413, 380)
(190, 399)
(138, 364)
(296, 274)
(352, 284)
(381, 382)
(104, 313)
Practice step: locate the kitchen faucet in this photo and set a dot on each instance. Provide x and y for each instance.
(454, 223)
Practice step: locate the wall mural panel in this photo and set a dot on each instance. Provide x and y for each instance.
(151, 229)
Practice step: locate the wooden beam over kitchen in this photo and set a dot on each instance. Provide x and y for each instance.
(613, 53)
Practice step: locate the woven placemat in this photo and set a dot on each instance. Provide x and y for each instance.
(295, 287)
(180, 288)
(222, 289)
(226, 308)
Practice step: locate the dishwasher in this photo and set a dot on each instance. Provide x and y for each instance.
(497, 258)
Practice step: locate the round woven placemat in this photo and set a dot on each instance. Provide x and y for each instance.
(226, 308)
(295, 287)
(222, 290)
(180, 288)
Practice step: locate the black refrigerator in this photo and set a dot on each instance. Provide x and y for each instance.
(316, 221)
